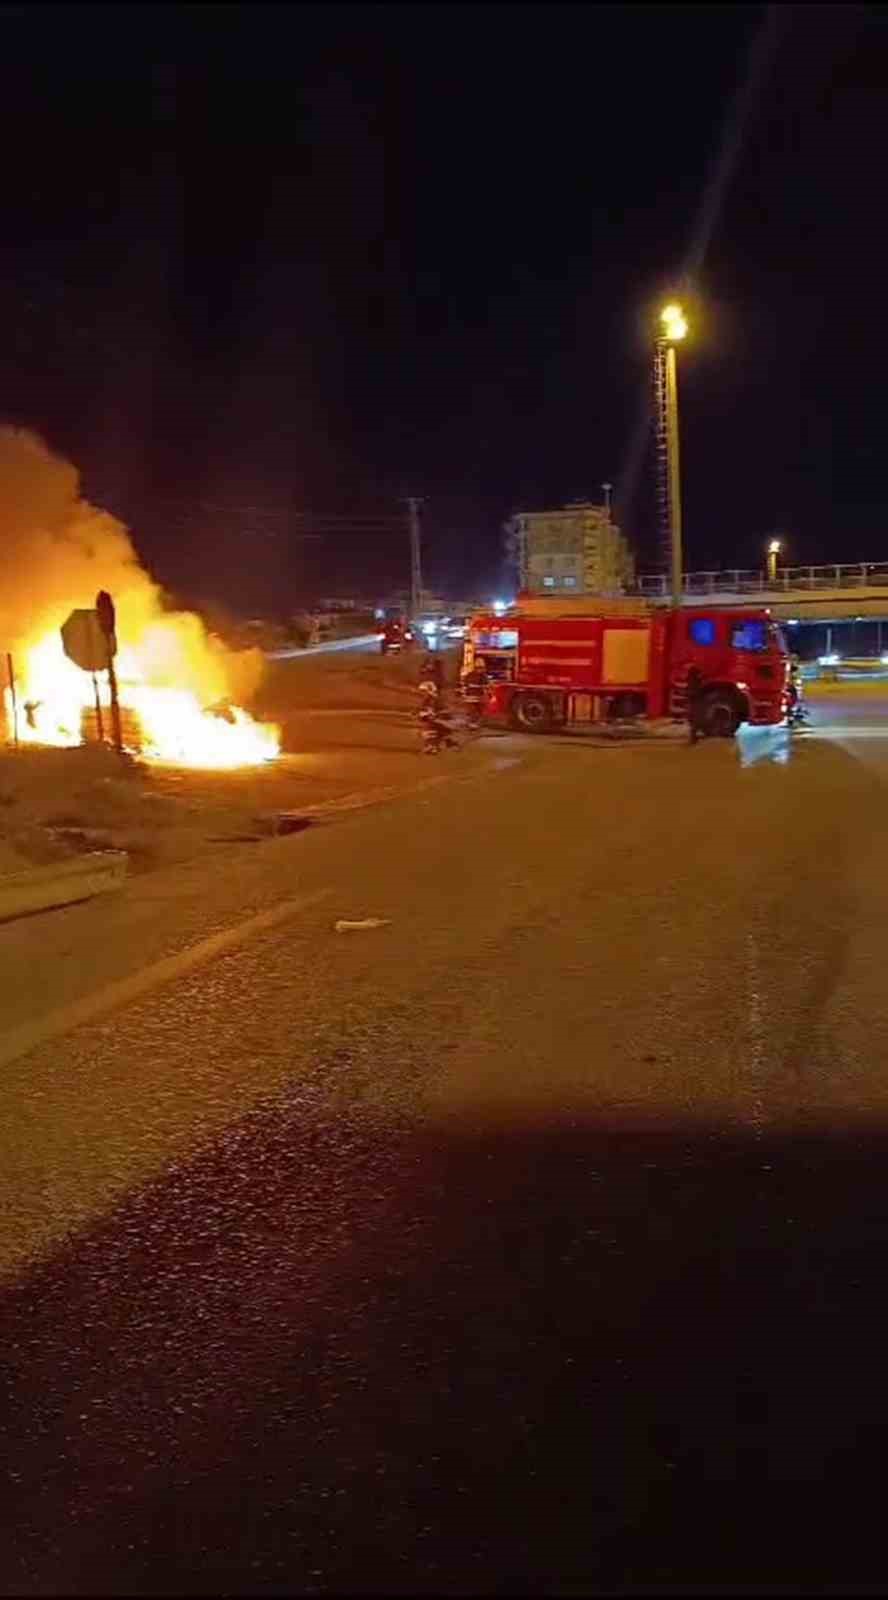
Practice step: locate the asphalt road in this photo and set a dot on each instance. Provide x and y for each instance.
(534, 1240)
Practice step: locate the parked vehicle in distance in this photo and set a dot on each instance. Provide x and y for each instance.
(397, 635)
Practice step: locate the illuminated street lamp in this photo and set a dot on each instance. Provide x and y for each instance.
(674, 322)
(774, 548)
(673, 328)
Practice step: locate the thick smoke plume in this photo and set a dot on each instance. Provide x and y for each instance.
(58, 551)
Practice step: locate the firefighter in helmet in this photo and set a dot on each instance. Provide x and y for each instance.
(435, 732)
(795, 705)
(474, 684)
(694, 690)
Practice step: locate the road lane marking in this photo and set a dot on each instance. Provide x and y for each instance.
(64, 1019)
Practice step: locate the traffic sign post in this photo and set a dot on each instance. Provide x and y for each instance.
(100, 726)
(84, 642)
(89, 640)
(106, 616)
(10, 673)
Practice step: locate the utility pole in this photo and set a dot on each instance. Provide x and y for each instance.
(413, 505)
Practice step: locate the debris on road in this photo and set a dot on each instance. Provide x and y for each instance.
(291, 822)
(344, 926)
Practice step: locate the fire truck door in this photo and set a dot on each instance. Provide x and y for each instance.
(626, 655)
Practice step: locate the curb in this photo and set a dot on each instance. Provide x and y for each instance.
(63, 883)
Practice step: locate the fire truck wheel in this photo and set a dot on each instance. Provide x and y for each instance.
(720, 714)
(532, 712)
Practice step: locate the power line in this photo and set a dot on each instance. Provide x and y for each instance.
(332, 521)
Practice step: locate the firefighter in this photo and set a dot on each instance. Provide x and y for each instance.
(434, 728)
(433, 669)
(795, 708)
(696, 730)
(473, 686)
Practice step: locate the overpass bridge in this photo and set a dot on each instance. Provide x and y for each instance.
(845, 593)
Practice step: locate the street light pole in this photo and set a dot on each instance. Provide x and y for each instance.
(674, 327)
(673, 456)
(774, 548)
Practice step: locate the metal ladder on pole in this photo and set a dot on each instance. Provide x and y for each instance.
(661, 456)
(678, 692)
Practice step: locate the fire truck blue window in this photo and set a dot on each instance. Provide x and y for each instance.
(750, 636)
(702, 630)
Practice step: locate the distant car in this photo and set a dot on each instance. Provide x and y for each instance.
(396, 636)
(439, 632)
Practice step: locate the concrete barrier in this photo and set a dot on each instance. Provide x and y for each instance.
(63, 883)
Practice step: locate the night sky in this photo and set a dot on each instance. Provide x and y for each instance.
(263, 259)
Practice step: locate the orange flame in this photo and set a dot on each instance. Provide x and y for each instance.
(174, 727)
(58, 551)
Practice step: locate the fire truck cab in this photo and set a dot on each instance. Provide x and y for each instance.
(550, 667)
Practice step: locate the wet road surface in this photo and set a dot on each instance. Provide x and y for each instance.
(533, 1241)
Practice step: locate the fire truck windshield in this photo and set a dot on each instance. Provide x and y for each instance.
(750, 635)
(778, 637)
(498, 639)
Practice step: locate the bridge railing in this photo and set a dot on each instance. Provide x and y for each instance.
(847, 575)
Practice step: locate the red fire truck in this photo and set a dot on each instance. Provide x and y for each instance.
(555, 663)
